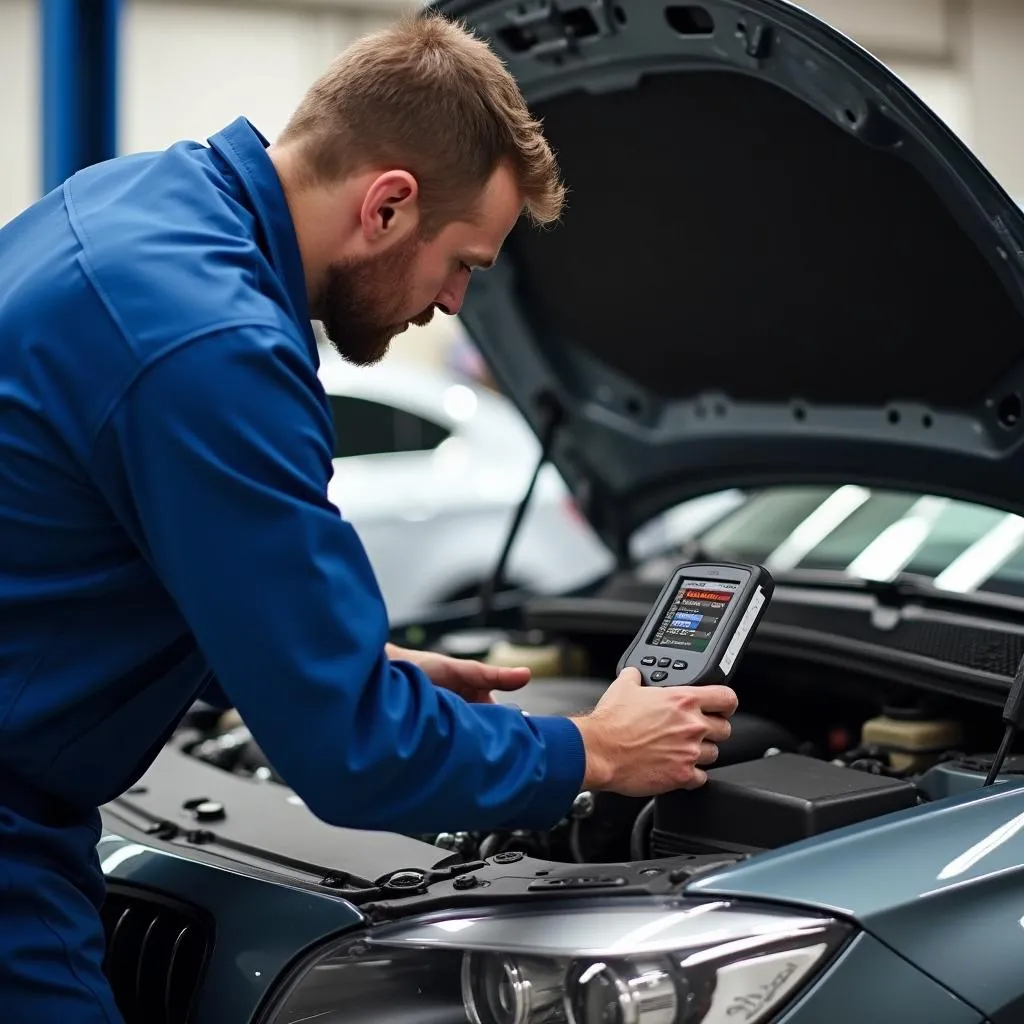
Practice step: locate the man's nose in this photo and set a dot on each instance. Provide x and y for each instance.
(449, 299)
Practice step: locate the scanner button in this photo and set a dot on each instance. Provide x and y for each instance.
(657, 677)
(664, 662)
(647, 661)
(678, 665)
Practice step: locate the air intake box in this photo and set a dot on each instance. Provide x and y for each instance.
(764, 804)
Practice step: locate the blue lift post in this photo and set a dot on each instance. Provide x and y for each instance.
(79, 87)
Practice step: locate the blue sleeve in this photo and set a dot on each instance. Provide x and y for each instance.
(217, 461)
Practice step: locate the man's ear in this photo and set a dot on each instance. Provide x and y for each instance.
(390, 210)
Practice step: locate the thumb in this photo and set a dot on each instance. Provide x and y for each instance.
(630, 677)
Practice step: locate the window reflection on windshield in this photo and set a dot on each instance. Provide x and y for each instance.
(874, 534)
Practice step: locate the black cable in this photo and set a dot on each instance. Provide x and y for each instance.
(1004, 748)
(638, 846)
(491, 586)
(1012, 711)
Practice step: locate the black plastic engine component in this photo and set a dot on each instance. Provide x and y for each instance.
(765, 804)
(604, 835)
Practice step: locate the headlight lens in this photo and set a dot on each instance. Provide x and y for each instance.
(510, 990)
(622, 994)
(614, 962)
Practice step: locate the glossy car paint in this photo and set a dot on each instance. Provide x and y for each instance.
(261, 926)
(868, 982)
(942, 885)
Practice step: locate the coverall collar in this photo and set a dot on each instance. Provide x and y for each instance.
(245, 149)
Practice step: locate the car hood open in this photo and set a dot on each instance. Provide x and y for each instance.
(776, 264)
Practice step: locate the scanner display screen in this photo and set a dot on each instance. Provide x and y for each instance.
(693, 614)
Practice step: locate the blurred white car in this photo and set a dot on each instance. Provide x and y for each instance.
(429, 470)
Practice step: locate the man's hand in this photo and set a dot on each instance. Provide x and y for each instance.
(645, 740)
(471, 680)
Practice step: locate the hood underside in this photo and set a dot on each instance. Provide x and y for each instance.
(776, 265)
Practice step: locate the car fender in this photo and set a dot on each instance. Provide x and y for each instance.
(247, 958)
(942, 884)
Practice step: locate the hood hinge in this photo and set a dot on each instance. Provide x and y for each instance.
(546, 30)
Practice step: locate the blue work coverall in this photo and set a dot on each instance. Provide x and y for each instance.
(165, 448)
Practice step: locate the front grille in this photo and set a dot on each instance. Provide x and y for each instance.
(156, 953)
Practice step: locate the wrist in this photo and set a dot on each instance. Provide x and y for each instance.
(600, 770)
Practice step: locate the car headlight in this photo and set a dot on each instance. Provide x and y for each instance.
(613, 962)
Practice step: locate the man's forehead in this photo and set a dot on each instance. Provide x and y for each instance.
(479, 238)
(481, 248)
(498, 211)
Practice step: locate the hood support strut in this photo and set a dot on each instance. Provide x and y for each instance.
(551, 412)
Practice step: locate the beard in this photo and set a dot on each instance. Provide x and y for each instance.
(360, 303)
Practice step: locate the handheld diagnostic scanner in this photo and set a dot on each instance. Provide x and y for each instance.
(700, 625)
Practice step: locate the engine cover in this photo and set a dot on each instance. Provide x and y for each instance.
(764, 804)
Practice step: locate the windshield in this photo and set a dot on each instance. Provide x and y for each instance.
(873, 534)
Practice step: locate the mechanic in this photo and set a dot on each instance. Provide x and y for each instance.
(165, 531)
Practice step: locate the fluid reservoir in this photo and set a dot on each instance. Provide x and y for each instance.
(911, 737)
(542, 657)
(474, 644)
(506, 648)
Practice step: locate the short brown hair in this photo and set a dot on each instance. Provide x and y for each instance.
(426, 95)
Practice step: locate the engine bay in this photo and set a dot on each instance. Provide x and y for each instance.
(813, 748)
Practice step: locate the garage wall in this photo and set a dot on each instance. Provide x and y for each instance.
(990, 48)
(189, 66)
(918, 40)
(19, 110)
(194, 66)
(256, 56)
